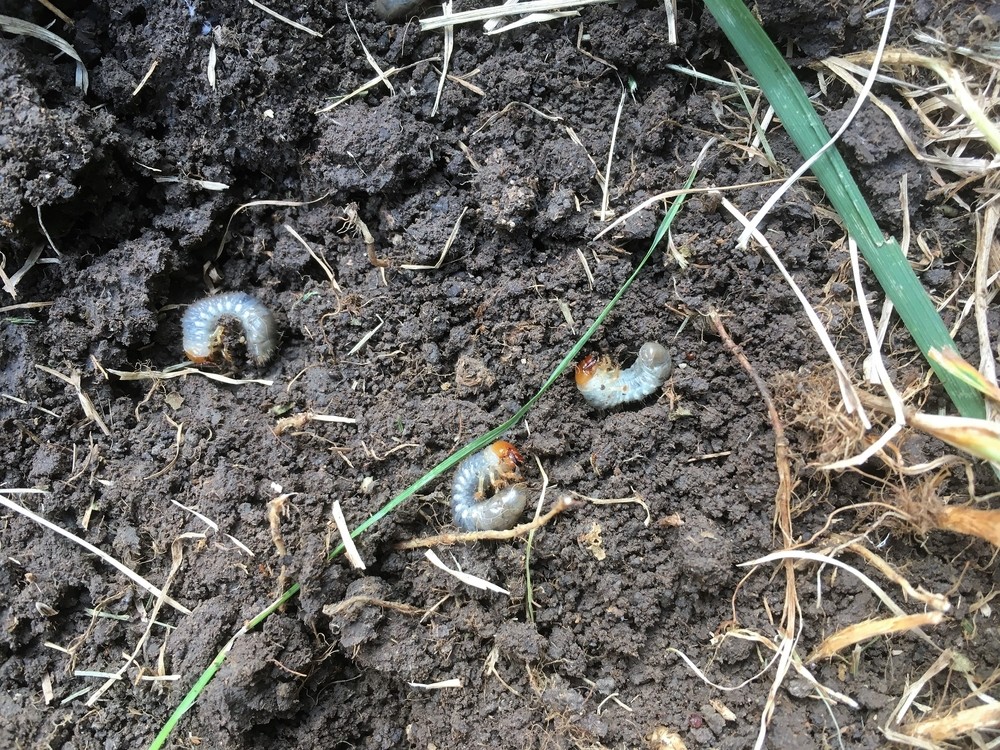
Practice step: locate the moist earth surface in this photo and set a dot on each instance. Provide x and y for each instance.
(427, 247)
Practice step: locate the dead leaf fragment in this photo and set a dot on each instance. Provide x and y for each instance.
(592, 541)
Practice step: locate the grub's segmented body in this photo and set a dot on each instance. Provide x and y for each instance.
(489, 471)
(397, 10)
(604, 385)
(201, 326)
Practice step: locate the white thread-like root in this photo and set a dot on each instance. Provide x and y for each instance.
(604, 385)
(490, 470)
(201, 324)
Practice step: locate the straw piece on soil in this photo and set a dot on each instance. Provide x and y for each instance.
(350, 550)
(863, 631)
(120, 567)
(466, 578)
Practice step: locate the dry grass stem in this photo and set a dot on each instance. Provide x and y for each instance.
(529, 591)
(45, 231)
(720, 82)
(852, 402)
(444, 251)
(145, 79)
(24, 306)
(399, 447)
(957, 365)
(485, 14)
(495, 23)
(532, 19)
(987, 267)
(567, 314)
(300, 420)
(581, 36)
(178, 442)
(364, 339)
(165, 375)
(213, 526)
(671, 194)
(635, 500)
(371, 84)
(213, 59)
(277, 509)
(466, 578)
(895, 720)
(94, 673)
(670, 6)
(937, 602)
(562, 504)
(372, 62)
(783, 657)
(58, 13)
(330, 610)
(605, 213)
(256, 204)
(470, 157)
(73, 696)
(22, 402)
(316, 257)
(864, 631)
(466, 83)
(958, 724)
(878, 375)
(790, 555)
(954, 113)
(490, 668)
(729, 688)
(194, 181)
(283, 19)
(353, 221)
(10, 282)
(977, 437)
(16, 26)
(965, 101)
(586, 267)
(73, 379)
(47, 692)
(758, 147)
(452, 683)
(984, 524)
(782, 519)
(449, 45)
(350, 550)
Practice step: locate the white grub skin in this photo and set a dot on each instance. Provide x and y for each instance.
(490, 470)
(605, 386)
(201, 323)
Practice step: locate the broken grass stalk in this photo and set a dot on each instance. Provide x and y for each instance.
(485, 14)
(529, 592)
(864, 631)
(852, 401)
(120, 567)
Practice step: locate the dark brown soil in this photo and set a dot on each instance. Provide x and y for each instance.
(455, 351)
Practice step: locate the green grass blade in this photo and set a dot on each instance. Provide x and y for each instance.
(806, 129)
(206, 676)
(192, 695)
